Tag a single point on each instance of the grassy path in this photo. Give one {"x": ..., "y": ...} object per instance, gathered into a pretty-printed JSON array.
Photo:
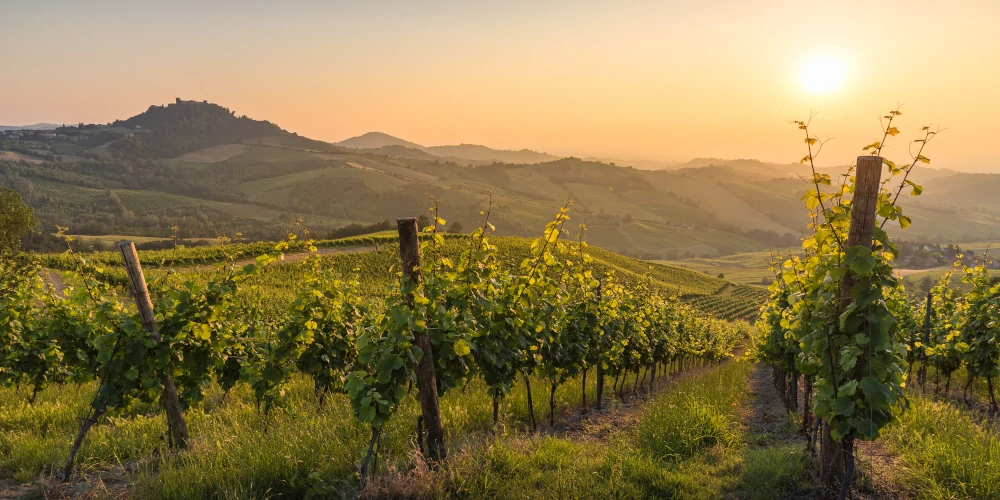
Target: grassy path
[
  {"x": 719, "y": 432},
  {"x": 774, "y": 460}
]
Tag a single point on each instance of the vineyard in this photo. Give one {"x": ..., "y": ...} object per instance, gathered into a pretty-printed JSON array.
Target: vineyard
[
  {"x": 520, "y": 331},
  {"x": 711, "y": 295},
  {"x": 421, "y": 364}
]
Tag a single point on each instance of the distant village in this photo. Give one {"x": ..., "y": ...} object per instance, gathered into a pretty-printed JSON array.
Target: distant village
[
  {"x": 929, "y": 255},
  {"x": 73, "y": 133},
  {"x": 42, "y": 135}
]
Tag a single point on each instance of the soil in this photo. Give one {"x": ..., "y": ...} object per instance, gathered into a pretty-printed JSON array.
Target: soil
[
  {"x": 768, "y": 420},
  {"x": 875, "y": 477}
]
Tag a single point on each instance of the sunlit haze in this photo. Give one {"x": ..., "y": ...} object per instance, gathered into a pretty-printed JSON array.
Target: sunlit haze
[
  {"x": 822, "y": 75},
  {"x": 633, "y": 80}
]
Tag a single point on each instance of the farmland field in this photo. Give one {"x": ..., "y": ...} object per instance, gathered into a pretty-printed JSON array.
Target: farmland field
[
  {"x": 15, "y": 155},
  {"x": 214, "y": 153},
  {"x": 748, "y": 268}
]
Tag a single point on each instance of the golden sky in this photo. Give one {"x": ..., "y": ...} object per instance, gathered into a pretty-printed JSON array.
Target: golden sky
[{"x": 635, "y": 80}]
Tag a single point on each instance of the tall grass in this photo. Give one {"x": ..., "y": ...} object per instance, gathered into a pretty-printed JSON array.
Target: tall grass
[
  {"x": 238, "y": 452},
  {"x": 688, "y": 442},
  {"x": 945, "y": 451}
]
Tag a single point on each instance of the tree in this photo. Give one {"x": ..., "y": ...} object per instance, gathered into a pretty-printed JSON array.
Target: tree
[
  {"x": 925, "y": 285},
  {"x": 456, "y": 227},
  {"x": 16, "y": 219},
  {"x": 423, "y": 222}
]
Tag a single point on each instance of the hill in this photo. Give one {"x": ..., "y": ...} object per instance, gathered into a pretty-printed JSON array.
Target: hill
[
  {"x": 385, "y": 144},
  {"x": 639, "y": 164},
  {"x": 485, "y": 154},
  {"x": 184, "y": 126},
  {"x": 201, "y": 167},
  {"x": 750, "y": 166},
  {"x": 375, "y": 140}
]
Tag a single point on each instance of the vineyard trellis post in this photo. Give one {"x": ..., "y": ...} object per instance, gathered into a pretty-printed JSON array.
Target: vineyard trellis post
[
  {"x": 837, "y": 458},
  {"x": 409, "y": 251},
  {"x": 600, "y": 360},
  {"x": 927, "y": 341},
  {"x": 171, "y": 402}
]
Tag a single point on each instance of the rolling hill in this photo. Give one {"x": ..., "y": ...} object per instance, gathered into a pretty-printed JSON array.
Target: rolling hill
[
  {"x": 485, "y": 154},
  {"x": 384, "y": 144},
  {"x": 200, "y": 167},
  {"x": 36, "y": 126},
  {"x": 375, "y": 140}
]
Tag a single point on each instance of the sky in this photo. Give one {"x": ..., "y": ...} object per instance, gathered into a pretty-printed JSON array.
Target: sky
[{"x": 635, "y": 80}]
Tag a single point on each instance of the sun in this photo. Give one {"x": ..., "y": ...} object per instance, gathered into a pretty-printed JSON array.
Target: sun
[{"x": 822, "y": 75}]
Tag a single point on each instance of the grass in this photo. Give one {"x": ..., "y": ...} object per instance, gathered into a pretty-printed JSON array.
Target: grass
[
  {"x": 237, "y": 452},
  {"x": 774, "y": 472},
  {"x": 945, "y": 451},
  {"x": 689, "y": 442}
]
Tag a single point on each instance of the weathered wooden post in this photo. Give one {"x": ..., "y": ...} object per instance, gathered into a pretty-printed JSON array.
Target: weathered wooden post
[
  {"x": 836, "y": 456},
  {"x": 923, "y": 348},
  {"x": 600, "y": 359},
  {"x": 409, "y": 251},
  {"x": 171, "y": 402}
]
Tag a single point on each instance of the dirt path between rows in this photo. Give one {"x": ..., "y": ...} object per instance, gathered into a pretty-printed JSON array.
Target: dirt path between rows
[
  {"x": 769, "y": 425},
  {"x": 616, "y": 414},
  {"x": 768, "y": 420},
  {"x": 56, "y": 280}
]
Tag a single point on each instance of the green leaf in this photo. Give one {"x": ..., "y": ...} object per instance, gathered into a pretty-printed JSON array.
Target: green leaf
[
  {"x": 462, "y": 348},
  {"x": 861, "y": 260},
  {"x": 844, "y": 405},
  {"x": 916, "y": 188},
  {"x": 875, "y": 392}
]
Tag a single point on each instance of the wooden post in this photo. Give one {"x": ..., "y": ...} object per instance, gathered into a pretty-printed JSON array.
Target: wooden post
[
  {"x": 409, "y": 251},
  {"x": 171, "y": 402},
  {"x": 927, "y": 341},
  {"x": 837, "y": 457},
  {"x": 600, "y": 362}
]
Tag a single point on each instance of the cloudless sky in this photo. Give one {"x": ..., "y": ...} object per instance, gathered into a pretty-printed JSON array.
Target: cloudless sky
[{"x": 636, "y": 80}]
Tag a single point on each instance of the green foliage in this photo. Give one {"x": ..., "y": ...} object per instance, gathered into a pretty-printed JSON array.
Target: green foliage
[
  {"x": 16, "y": 219},
  {"x": 837, "y": 314},
  {"x": 175, "y": 129},
  {"x": 980, "y": 330}
]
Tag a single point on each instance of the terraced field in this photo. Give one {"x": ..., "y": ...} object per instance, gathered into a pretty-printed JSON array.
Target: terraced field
[{"x": 717, "y": 297}]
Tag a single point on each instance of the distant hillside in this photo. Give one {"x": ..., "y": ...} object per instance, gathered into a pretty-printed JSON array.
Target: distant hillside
[
  {"x": 185, "y": 126},
  {"x": 397, "y": 151},
  {"x": 486, "y": 154},
  {"x": 201, "y": 167},
  {"x": 385, "y": 144},
  {"x": 37, "y": 126},
  {"x": 749, "y": 166},
  {"x": 639, "y": 164},
  {"x": 375, "y": 140}
]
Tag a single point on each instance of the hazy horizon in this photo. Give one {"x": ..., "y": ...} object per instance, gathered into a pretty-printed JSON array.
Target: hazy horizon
[{"x": 666, "y": 82}]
